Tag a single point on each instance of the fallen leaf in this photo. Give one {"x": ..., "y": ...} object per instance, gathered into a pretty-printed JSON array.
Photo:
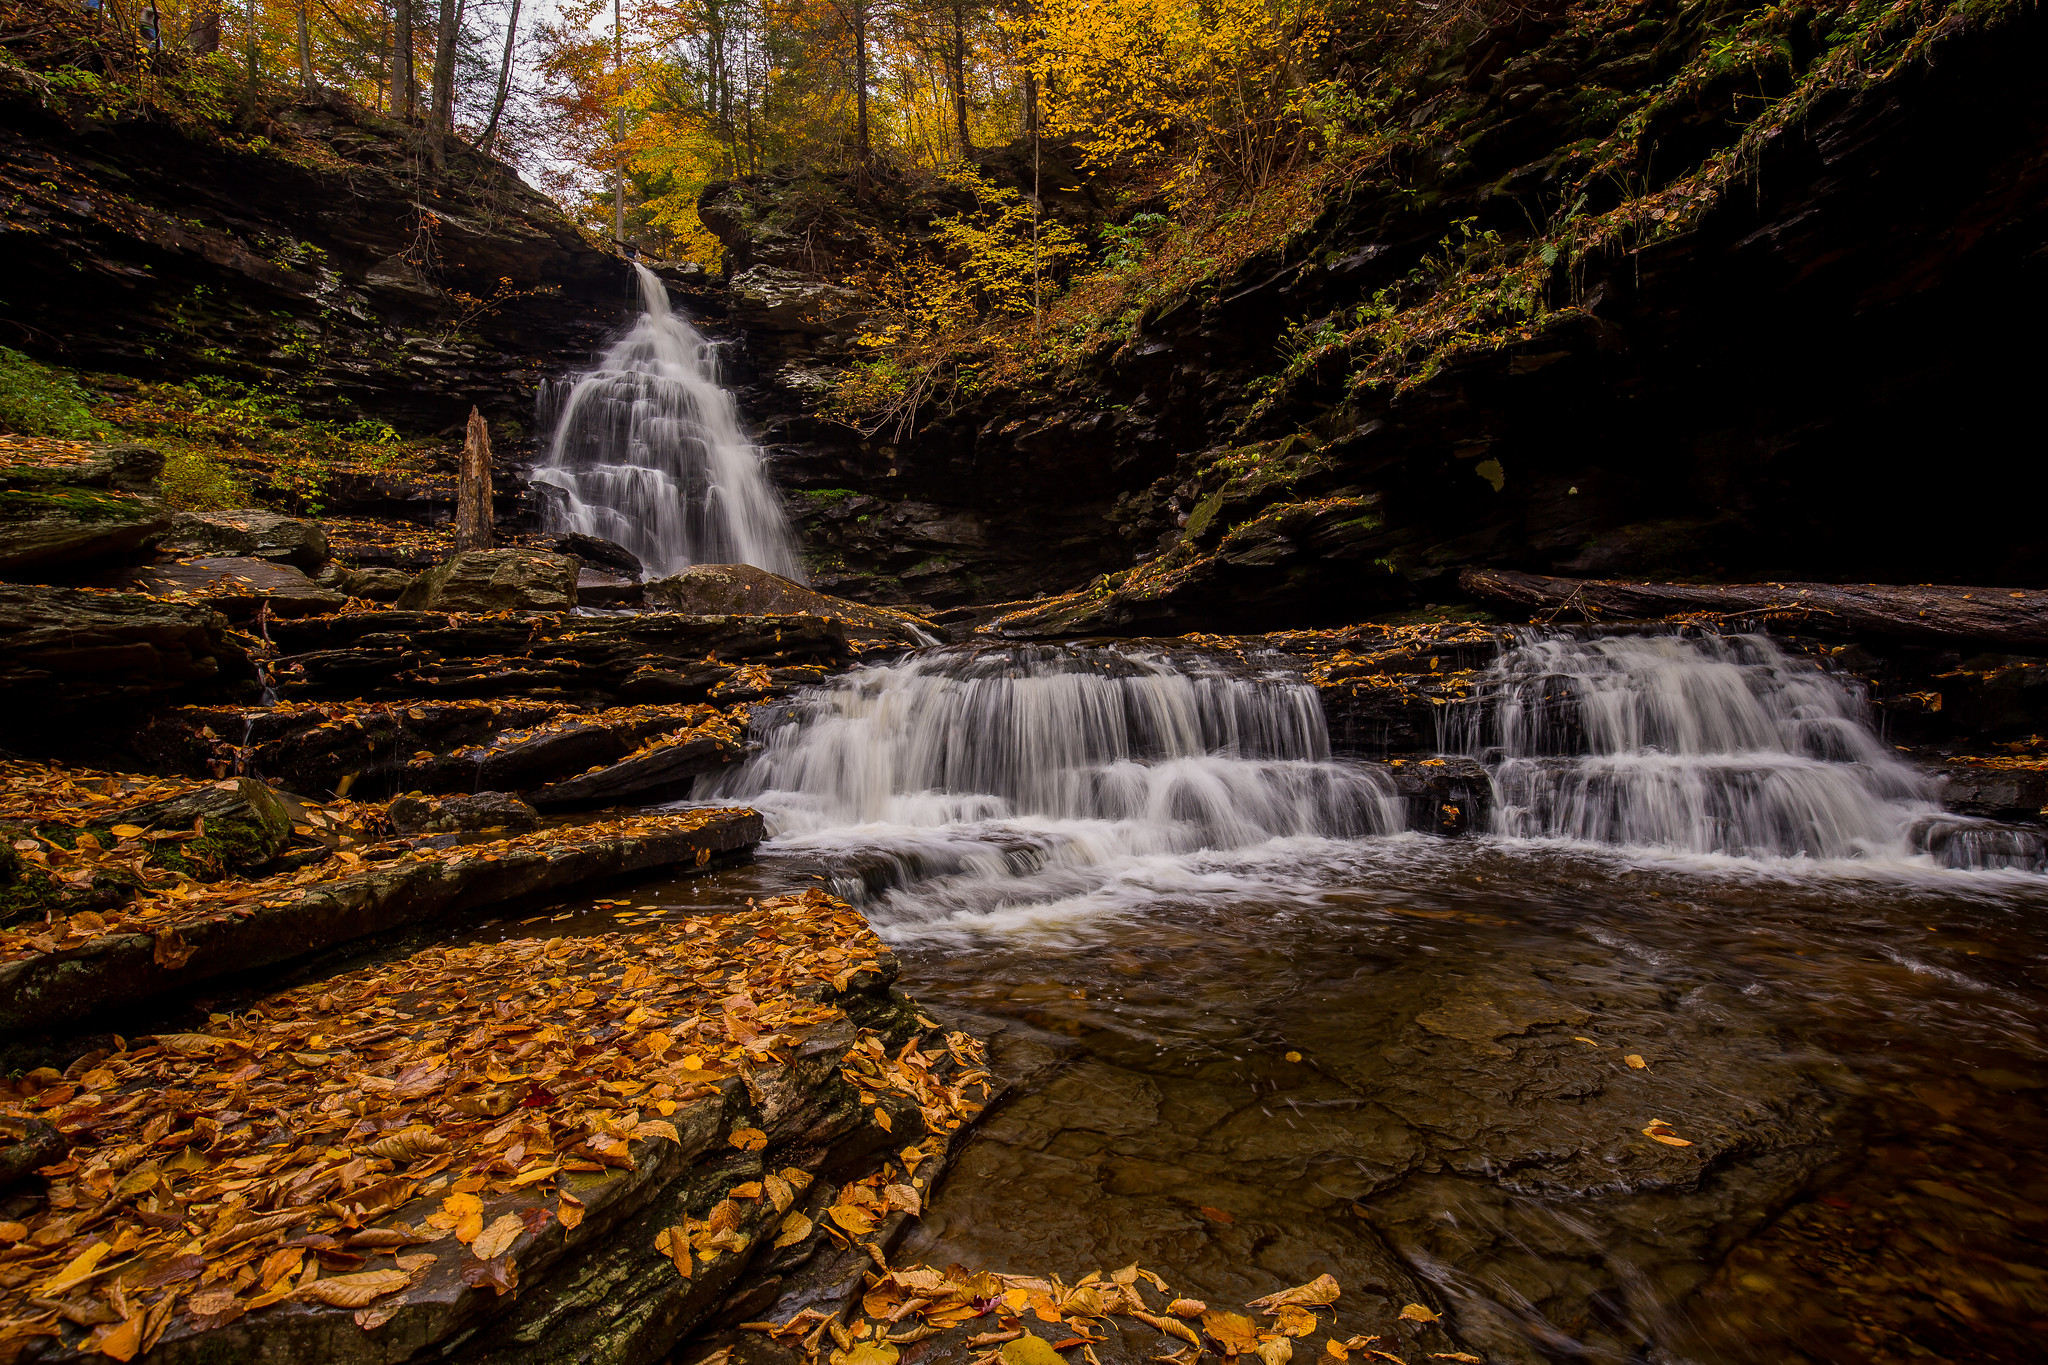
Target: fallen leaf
[
  {"x": 409, "y": 1144},
  {"x": 1234, "y": 1332},
  {"x": 853, "y": 1218},
  {"x": 1275, "y": 1352},
  {"x": 1466, "y": 1356},
  {"x": 795, "y": 1228},
  {"x": 121, "y": 1341},
  {"x": 1660, "y": 1131},
  {"x": 1031, "y": 1350},
  {"x": 882, "y": 1119},
  {"x": 370, "y": 1319},
  {"x": 80, "y": 1268},
  {"x": 497, "y": 1239},
  {"x": 1186, "y": 1308},
  {"x": 1294, "y": 1320},
  {"x": 1215, "y": 1215},
  {"x": 1415, "y": 1312},
  {"x": 1337, "y": 1349},
  {"x": 873, "y": 1353},
  {"x": 1635, "y": 1060},
  {"x": 674, "y": 1243},
  {"x": 779, "y": 1193},
  {"x": 354, "y": 1291},
  {"x": 569, "y": 1210},
  {"x": 748, "y": 1139},
  {"x": 1317, "y": 1292}
]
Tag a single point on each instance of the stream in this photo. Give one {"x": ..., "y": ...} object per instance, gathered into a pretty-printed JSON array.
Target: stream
[{"x": 1699, "y": 1054}]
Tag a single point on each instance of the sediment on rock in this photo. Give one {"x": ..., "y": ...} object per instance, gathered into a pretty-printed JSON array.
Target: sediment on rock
[{"x": 93, "y": 967}]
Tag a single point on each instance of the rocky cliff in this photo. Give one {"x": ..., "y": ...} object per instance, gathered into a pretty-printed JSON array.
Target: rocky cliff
[
  {"x": 1792, "y": 355},
  {"x": 320, "y": 254}
]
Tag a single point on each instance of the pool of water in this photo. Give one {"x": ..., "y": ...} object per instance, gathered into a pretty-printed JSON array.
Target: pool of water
[{"x": 1428, "y": 1067}]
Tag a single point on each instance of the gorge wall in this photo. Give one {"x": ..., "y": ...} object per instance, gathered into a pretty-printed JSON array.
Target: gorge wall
[{"x": 1819, "y": 375}]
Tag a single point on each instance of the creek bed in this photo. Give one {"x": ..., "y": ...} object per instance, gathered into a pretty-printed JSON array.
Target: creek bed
[{"x": 1407, "y": 1060}]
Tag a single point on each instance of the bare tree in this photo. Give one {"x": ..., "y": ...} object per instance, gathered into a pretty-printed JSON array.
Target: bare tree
[
  {"x": 473, "y": 488},
  {"x": 959, "y": 74},
  {"x": 504, "y": 80},
  {"x": 447, "y": 34}
]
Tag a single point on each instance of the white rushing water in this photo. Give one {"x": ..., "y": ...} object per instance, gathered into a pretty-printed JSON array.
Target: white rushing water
[
  {"x": 648, "y": 453},
  {"x": 1706, "y": 745},
  {"x": 1026, "y": 785}
]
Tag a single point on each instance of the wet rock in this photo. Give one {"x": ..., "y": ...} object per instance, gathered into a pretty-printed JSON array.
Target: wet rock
[
  {"x": 62, "y": 515},
  {"x": 460, "y": 814},
  {"x": 644, "y": 657},
  {"x": 236, "y": 825},
  {"x": 370, "y": 584},
  {"x": 238, "y": 587},
  {"x": 124, "y": 970},
  {"x": 63, "y": 650},
  {"x": 26, "y": 1144},
  {"x": 1998, "y": 793},
  {"x": 1444, "y": 795},
  {"x": 666, "y": 769},
  {"x": 249, "y": 533},
  {"x": 603, "y": 588},
  {"x": 598, "y": 553},
  {"x": 742, "y": 589},
  {"x": 495, "y": 580}
]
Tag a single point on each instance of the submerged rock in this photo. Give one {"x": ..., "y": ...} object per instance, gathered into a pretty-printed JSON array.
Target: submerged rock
[
  {"x": 495, "y": 580},
  {"x": 249, "y": 533}
]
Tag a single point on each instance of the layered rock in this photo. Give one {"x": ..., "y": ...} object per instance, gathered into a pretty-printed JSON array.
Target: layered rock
[
  {"x": 63, "y": 650},
  {"x": 250, "y": 533},
  {"x": 78, "y": 505},
  {"x": 743, "y": 590},
  {"x": 495, "y": 580}
]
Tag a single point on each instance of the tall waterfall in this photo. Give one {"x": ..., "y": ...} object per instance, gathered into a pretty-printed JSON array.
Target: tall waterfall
[
  {"x": 1037, "y": 778},
  {"x": 1715, "y": 744},
  {"x": 648, "y": 453}
]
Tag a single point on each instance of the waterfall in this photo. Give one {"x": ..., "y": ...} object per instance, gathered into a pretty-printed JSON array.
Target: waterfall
[
  {"x": 1041, "y": 778},
  {"x": 1709, "y": 744},
  {"x": 648, "y": 453}
]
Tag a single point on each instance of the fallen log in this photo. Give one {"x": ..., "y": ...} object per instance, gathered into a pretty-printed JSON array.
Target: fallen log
[{"x": 1991, "y": 618}]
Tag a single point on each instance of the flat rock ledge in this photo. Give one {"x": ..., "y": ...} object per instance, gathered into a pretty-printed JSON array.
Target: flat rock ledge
[
  {"x": 568, "y": 1149},
  {"x": 58, "y": 976}
]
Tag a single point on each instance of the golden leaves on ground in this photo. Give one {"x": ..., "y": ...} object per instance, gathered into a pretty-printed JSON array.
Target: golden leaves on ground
[
  {"x": 1636, "y": 1061},
  {"x": 1415, "y": 1312},
  {"x": 1319, "y": 1291},
  {"x": 304, "y": 1147},
  {"x": 168, "y": 902},
  {"x": 794, "y": 1229}
]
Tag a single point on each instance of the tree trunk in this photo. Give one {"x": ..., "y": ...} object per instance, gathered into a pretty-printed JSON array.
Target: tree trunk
[
  {"x": 860, "y": 79},
  {"x": 401, "y": 60},
  {"x": 445, "y": 34},
  {"x": 306, "y": 51},
  {"x": 960, "y": 77},
  {"x": 203, "y": 34},
  {"x": 473, "y": 489},
  {"x": 1998, "y": 617},
  {"x": 619, "y": 150},
  {"x": 504, "y": 80}
]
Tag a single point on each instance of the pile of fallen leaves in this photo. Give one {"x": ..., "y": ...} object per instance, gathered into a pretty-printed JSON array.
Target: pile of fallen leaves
[
  {"x": 170, "y": 903},
  {"x": 270, "y": 1157},
  {"x": 905, "y": 1306},
  {"x": 679, "y": 721},
  {"x": 728, "y": 728},
  {"x": 52, "y": 794},
  {"x": 44, "y": 452}
]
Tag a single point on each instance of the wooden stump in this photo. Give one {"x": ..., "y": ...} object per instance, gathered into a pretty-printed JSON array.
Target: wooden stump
[{"x": 473, "y": 492}]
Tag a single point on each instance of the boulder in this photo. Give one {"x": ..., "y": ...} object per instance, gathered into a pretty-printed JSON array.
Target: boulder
[
  {"x": 604, "y": 588},
  {"x": 238, "y": 587},
  {"x": 249, "y": 533},
  {"x": 743, "y": 590},
  {"x": 237, "y": 824},
  {"x": 66, "y": 649},
  {"x": 416, "y": 814},
  {"x": 662, "y": 769},
  {"x": 496, "y": 580},
  {"x": 78, "y": 508},
  {"x": 1444, "y": 795},
  {"x": 1997, "y": 793},
  {"x": 371, "y": 584},
  {"x": 598, "y": 553}
]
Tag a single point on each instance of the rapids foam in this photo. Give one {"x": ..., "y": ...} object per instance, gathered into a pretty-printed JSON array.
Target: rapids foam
[
  {"x": 1039, "y": 782},
  {"x": 648, "y": 453}
]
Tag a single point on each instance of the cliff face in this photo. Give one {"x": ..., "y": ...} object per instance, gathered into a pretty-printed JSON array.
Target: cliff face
[
  {"x": 327, "y": 259},
  {"x": 1823, "y": 374}
]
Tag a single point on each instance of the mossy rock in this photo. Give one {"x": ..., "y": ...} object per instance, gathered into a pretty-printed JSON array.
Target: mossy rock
[{"x": 243, "y": 824}]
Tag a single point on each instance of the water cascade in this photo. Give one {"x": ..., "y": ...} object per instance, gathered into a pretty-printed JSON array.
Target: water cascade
[
  {"x": 1042, "y": 778},
  {"x": 648, "y": 453},
  {"x": 1708, "y": 745}
]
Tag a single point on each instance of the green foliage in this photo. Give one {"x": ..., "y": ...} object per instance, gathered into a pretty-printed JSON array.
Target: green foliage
[
  {"x": 194, "y": 481},
  {"x": 36, "y": 400}
]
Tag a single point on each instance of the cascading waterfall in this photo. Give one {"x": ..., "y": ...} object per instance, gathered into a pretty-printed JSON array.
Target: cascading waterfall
[
  {"x": 648, "y": 453},
  {"x": 1037, "y": 778},
  {"x": 1709, "y": 745}
]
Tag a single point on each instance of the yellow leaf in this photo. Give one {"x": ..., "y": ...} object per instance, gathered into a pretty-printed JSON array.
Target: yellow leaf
[
  {"x": 495, "y": 1240},
  {"x": 79, "y": 1269},
  {"x": 1337, "y": 1349},
  {"x": 1031, "y": 1350},
  {"x": 1415, "y": 1312},
  {"x": 853, "y": 1218},
  {"x": 779, "y": 1193},
  {"x": 1181, "y": 1308},
  {"x": 1275, "y": 1352},
  {"x": 882, "y": 1120},
  {"x": 874, "y": 1353},
  {"x": 569, "y": 1210},
  {"x": 354, "y": 1291},
  {"x": 748, "y": 1139},
  {"x": 537, "y": 1174},
  {"x": 1234, "y": 1332},
  {"x": 674, "y": 1243},
  {"x": 795, "y": 1228},
  {"x": 1660, "y": 1131},
  {"x": 1635, "y": 1060},
  {"x": 128, "y": 831},
  {"x": 1294, "y": 1320},
  {"x": 1321, "y": 1290}
]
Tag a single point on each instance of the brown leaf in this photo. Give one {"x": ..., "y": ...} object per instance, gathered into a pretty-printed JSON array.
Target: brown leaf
[
  {"x": 354, "y": 1291},
  {"x": 171, "y": 953},
  {"x": 1186, "y": 1308},
  {"x": 1321, "y": 1290},
  {"x": 120, "y": 1341},
  {"x": 748, "y": 1139},
  {"x": 1275, "y": 1352},
  {"x": 408, "y": 1145},
  {"x": 1215, "y": 1215},
  {"x": 500, "y": 1274}
]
